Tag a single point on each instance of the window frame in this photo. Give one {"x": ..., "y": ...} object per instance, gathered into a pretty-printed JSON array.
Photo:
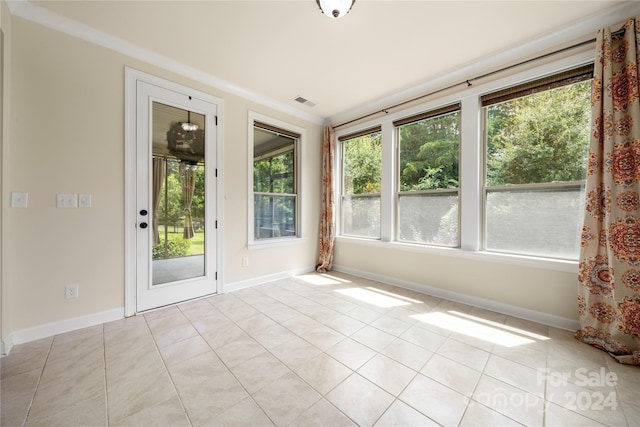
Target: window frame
[
  {"x": 397, "y": 124},
  {"x": 341, "y": 182},
  {"x": 576, "y": 75},
  {"x": 288, "y": 130},
  {"x": 471, "y": 175}
]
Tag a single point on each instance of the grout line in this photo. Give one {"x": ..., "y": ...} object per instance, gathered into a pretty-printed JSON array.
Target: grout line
[{"x": 35, "y": 390}]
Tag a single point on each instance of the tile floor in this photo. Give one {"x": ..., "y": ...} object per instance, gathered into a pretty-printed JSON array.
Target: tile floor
[{"x": 330, "y": 350}]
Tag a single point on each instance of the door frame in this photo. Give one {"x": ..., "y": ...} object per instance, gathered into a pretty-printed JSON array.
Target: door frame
[{"x": 130, "y": 218}]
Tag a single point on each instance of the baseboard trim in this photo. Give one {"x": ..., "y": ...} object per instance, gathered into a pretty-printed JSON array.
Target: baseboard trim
[
  {"x": 62, "y": 326},
  {"x": 243, "y": 284},
  {"x": 6, "y": 345},
  {"x": 511, "y": 310}
]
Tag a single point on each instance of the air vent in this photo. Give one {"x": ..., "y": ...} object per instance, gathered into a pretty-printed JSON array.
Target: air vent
[{"x": 304, "y": 101}]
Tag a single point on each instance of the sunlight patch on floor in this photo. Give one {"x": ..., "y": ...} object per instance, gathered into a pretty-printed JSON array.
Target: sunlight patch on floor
[
  {"x": 374, "y": 298},
  {"x": 495, "y": 333}
]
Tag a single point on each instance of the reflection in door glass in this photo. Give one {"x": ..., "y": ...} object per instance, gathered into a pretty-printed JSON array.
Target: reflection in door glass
[{"x": 178, "y": 189}]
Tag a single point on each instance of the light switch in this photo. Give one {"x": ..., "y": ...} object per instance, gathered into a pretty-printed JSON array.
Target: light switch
[
  {"x": 19, "y": 200},
  {"x": 67, "y": 201},
  {"x": 84, "y": 200}
]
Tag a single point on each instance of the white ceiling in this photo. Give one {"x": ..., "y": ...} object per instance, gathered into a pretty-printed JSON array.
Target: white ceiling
[{"x": 282, "y": 49}]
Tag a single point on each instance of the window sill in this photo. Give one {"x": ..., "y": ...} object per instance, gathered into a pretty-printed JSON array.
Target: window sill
[
  {"x": 274, "y": 243},
  {"x": 566, "y": 266}
]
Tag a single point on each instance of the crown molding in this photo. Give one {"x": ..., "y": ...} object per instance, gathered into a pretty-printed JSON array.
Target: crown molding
[
  {"x": 584, "y": 30},
  {"x": 28, "y": 11}
]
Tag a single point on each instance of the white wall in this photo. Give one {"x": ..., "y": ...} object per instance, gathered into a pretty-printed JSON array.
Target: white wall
[{"x": 67, "y": 136}]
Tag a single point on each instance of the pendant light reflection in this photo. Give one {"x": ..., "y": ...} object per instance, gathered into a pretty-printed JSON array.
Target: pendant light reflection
[
  {"x": 335, "y": 8},
  {"x": 188, "y": 126}
]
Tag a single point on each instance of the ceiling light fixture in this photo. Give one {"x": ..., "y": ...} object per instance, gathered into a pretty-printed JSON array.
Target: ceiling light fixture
[{"x": 335, "y": 8}]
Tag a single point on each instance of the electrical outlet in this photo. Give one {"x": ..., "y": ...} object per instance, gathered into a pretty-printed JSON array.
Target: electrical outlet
[
  {"x": 84, "y": 200},
  {"x": 245, "y": 262},
  {"x": 72, "y": 291},
  {"x": 19, "y": 200}
]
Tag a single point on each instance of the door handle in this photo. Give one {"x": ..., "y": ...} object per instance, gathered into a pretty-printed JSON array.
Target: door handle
[{"x": 143, "y": 225}]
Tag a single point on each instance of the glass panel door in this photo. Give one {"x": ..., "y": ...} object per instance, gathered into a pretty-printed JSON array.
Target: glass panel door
[{"x": 178, "y": 194}]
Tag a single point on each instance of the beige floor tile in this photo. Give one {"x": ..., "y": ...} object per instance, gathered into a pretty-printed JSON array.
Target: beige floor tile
[
  {"x": 322, "y": 414},
  {"x": 26, "y": 357},
  {"x": 532, "y": 357},
  {"x": 84, "y": 363},
  {"x": 239, "y": 351},
  {"x": 424, "y": 338},
  {"x": 66, "y": 391},
  {"x": 90, "y": 412},
  {"x": 454, "y": 375},
  {"x": 166, "y": 367},
  {"x": 16, "y": 394},
  {"x": 274, "y": 336},
  {"x": 224, "y": 335},
  {"x": 402, "y": 415},
  {"x": 407, "y": 353},
  {"x": 153, "y": 315},
  {"x": 226, "y": 302},
  {"x": 344, "y": 324},
  {"x": 515, "y": 374},
  {"x": 206, "y": 388},
  {"x": 301, "y": 324},
  {"x": 360, "y": 399},
  {"x": 632, "y": 413},
  {"x": 365, "y": 315},
  {"x": 323, "y": 337},
  {"x": 259, "y": 372},
  {"x": 323, "y": 373},
  {"x": 281, "y": 313},
  {"x": 388, "y": 374},
  {"x": 256, "y": 324},
  {"x": 479, "y": 415},
  {"x": 422, "y": 392},
  {"x": 130, "y": 395},
  {"x": 391, "y": 325},
  {"x": 557, "y": 416},
  {"x": 512, "y": 402},
  {"x": 373, "y": 338},
  {"x": 295, "y": 352},
  {"x": 241, "y": 313},
  {"x": 351, "y": 353},
  {"x": 598, "y": 403},
  {"x": 167, "y": 413},
  {"x": 181, "y": 351},
  {"x": 245, "y": 413},
  {"x": 286, "y": 399},
  {"x": 463, "y": 353},
  {"x": 173, "y": 335}
]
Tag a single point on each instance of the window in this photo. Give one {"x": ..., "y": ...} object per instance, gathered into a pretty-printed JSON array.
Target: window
[
  {"x": 428, "y": 177},
  {"x": 361, "y": 182},
  {"x": 537, "y": 137},
  {"x": 275, "y": 182}
]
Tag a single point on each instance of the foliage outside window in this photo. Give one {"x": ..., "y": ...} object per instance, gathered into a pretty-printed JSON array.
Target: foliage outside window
[
  {"x": 361, "y": 182},
  {"x": 429, "y": 151},
  {"x": 536, "y": 149},
  {"x": 171, "y": 214},
  {"x": 274, "y": 184}
]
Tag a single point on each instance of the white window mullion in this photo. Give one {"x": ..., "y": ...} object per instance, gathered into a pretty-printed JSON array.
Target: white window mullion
[
  {"x": 387, "y": 191},
  {"x": 471, "y": 157}
]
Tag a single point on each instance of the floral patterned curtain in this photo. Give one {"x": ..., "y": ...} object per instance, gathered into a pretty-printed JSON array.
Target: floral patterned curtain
[
  {"x": 188, "y": 177},
  {"x": 327, "y": 225},
  {"x": 609, "y": 276}
]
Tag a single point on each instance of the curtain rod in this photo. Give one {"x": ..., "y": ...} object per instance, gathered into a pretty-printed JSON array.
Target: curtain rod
[{"x": 468, "y": 82}]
